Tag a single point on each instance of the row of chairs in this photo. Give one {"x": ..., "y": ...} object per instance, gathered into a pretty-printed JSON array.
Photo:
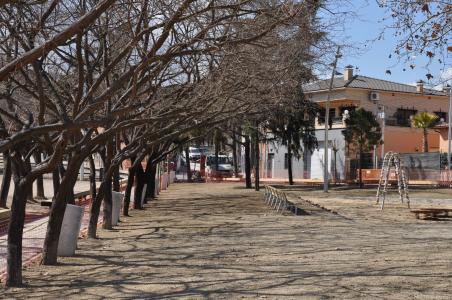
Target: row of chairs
[{"x": 277, "y": 200}]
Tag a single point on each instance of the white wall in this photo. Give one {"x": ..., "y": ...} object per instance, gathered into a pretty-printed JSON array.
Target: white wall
[
  {"x": 334, "y": 135},
  {"x": 278, "y": 170}
]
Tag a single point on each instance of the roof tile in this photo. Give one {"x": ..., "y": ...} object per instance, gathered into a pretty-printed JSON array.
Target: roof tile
[{"x": 370, "y": 83}]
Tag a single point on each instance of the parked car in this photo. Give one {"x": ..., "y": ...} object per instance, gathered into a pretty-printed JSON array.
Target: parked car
[
  {"x": 224, "y": 165},
  {"x": 194, "y": 153}
]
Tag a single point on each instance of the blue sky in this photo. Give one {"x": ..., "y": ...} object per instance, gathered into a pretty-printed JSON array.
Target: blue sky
[{"x": 372, "y": 59}]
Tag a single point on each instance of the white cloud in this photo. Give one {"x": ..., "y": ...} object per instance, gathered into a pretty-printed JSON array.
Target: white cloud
[{"x": 446, "y": 75}]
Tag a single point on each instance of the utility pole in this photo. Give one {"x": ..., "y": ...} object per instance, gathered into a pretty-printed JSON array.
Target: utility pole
[
  {"x": 449, "y": 132},
  {"x": 382, "y": 116},
  {"x": 327, "y": 121}
]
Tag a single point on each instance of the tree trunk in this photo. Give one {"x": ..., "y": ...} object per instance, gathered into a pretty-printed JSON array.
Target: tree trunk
[
  {"x": 217, "y": 153},
  {"x": 39, "y": 181},
  {"x": 335, "y": 167},
  {"x": 187, "y": 162},
  {"x": 107, "y": 208},
  {"x": 16, "y": 226},
  {"x": 128, "y": 192},
  {"x": 116, "y": 180},
  {"x": 116, "y": 175},
  {"x": 247, "y": 163},
  {"x": 29, "y": 187},
  {"x": 234, "y": 156},
  {"x": 55, "y": 181},
  {"x": 360, "y": 163},
  {"x": 256, "y": 159},
  {"x": 94, "y": 212},
  {"x": 97, "y": 202},
  {"x": 140, "y": 181},
  {"x": 151, "y": 168},
  {"x": 6, "y": 182},
  {"x": 289, "y": 163},
  {"x": 92, "y": 177},
  {"x": 425, "y": 140},
  {"x": 70, "y": 189},
  {"x": 150, "y": 192},
  {"x": 50, "y": 250}
]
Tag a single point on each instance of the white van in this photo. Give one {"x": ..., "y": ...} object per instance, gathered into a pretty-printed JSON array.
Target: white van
[{"x": 224, "y": 165}]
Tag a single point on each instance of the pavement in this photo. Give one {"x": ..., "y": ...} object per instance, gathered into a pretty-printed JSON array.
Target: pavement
[{"x": 221, "y": 241}]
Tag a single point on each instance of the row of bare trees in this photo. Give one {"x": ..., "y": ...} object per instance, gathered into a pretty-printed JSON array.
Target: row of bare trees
[{"x": 131, "y": 80}]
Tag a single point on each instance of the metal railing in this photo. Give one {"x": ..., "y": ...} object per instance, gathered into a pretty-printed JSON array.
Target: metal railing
[{"x": 277, "y": 200}]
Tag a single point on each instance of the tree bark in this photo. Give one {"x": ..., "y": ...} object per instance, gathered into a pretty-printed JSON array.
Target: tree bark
[
  {"x": 97, "y": 202},
  {"x": 335, "y": 167},
  {"x": 30, "y": 186},
  {"x": 70, "y": 189},
  {"x": 94, "y": 212},
  {"x": 55, "y": 181},
  {"x": 153, "y": 181},
  {"x": 234, "y": 156},
  {"x": 128, "y": 192},
  {"x": 116, "y": 180},
  {"x": 289, "y": 163},
  {"x": 92, "y": 177},
  {"x": 360, "y": 162},
  {"x": 116, "y": 175},
  {"x": 6, "y": 181},
  {"x": 16, "y": 225},
  {"x": 140, "y": 180},
  {"x": 107, "y": 208},
  {"x": 150, "y": 191},
  {"x": 217, "y": 152},
  {"x": 149, "y": 179},
  {"x": 50, "y": 250},
  {"x": 425, "y": 140},
  {"x": 187, "y": 162},
  {"x": 39, "y": 181},
  {"x": 247, "y": 162},
  {"x": 256, "y": 159}
]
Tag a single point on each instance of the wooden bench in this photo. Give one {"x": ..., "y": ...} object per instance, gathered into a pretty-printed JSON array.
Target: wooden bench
[
  {"x": 5, "y": 213},
  {"x": 46, "y": 203},
  {"x": 431, "y": 212}
]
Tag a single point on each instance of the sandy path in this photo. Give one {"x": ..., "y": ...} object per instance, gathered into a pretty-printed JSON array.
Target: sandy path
[{"x": 219, "y": 241}]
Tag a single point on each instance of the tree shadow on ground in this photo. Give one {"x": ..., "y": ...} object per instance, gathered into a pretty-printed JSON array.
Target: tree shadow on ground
[{"x": 224, "y": 244}]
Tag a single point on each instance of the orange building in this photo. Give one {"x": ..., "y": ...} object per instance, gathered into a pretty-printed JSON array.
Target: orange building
[{"x": 396, "y": 102}]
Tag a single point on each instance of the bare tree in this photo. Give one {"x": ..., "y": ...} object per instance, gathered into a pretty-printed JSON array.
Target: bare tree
[{"x": 422, "y": 28}]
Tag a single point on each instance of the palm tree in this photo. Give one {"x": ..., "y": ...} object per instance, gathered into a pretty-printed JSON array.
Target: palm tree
[{"x": 425, "y": 121}]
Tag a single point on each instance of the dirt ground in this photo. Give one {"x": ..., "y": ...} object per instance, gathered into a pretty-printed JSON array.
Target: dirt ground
[{"x": 220, "y": 241}]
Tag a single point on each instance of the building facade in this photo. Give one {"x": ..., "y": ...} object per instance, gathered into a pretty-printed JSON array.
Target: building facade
[{"x": 393, "y": 103}]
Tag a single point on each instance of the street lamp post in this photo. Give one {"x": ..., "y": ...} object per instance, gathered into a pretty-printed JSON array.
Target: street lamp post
[
  {"x": 382, "y": 116},
  {"x": 327, "y": 121},
  {"x": 449, "y": 132}
]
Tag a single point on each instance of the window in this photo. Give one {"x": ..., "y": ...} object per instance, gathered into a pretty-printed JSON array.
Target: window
[
  {"x": 350, "y": 108},
  {"x": 403, "y": 116},
  {"x": 441, "y": 115},
  {"x": 321, "y": 115}
]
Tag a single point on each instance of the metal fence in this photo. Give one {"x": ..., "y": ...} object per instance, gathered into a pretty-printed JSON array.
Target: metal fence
[
  {"x": 277, "y": 200},
  {"x": 420, "y": 167}
]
